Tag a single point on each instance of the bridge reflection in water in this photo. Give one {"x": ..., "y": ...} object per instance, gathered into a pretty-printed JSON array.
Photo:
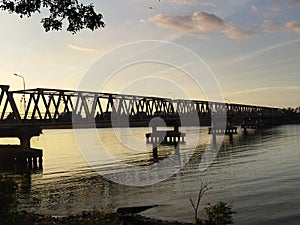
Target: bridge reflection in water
[{"x": 54, "y": 108}]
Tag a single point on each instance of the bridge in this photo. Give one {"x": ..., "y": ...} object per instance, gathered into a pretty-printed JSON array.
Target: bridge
[
  {"x": 56, "y": 108},
  {"x": 44, "y": 108}
]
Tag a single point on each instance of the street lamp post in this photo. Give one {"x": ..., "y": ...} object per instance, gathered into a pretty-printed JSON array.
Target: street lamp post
[{"x": 23, "y": 97}]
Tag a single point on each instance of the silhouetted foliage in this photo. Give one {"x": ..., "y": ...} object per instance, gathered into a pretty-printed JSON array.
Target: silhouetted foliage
[
  {"x": 219, "y": 214},
  {"x": 291, "y": 110},
  {"x": 77, "y": 15},
  {"x": 291, "y": 114},
  {"x": 8, "y": 189}
]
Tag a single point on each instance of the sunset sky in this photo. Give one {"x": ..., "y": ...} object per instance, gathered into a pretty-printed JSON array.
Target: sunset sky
[{"x": 252, "y": 47}]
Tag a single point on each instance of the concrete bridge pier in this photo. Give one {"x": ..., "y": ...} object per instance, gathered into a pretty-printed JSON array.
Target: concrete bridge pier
[
  {"x": 218, "y": 128},
  {"x": 252, "y": 122},
  {"x": 164, "y": 137},
  {"x": 22, "y": 156}
]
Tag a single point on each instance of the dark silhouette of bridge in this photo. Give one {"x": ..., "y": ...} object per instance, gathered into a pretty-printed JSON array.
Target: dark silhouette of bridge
[
  {"x": 56, "y": 108},
  {"x": 44, "y": 108}
]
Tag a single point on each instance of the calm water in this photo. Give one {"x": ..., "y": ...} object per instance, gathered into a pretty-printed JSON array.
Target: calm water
[{"x": 259, "y": 173}]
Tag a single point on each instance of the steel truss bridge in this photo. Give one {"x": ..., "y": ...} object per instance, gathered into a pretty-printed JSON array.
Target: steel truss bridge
[{"x": 55, "y": 108}]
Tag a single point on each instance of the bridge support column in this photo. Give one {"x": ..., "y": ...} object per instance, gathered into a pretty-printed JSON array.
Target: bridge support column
[
  {"x": 25, "y": 133},
  {"x": 35, "y": 164},
  {"x": 25, "y": 142},
  {"x": 155, "y": 152}
]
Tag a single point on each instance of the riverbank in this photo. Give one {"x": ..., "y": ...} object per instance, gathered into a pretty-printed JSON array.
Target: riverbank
[{"x": 85, "y": 218}]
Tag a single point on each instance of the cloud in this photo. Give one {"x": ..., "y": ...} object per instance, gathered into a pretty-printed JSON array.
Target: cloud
[
  {"x": 198, "y": 21},
  {"x": 190, "y": 3},
  {"x": 276, "y": 7},
  {"x": 208, "y": 4},
  {"x": 293, "y": 26},
  {"x": 79, "y": 48},
  {"x": 175, "y": 22},
  {"x": 270, "y": 26},
  {"x": 181, "y": 2},
  {"x": 236, "y": 33},
  {"x": 206, "y": 22}
]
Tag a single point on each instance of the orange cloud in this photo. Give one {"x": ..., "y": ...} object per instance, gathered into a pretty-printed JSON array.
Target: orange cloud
[
  {"x": 293, "y": 26},
  {"x": 236, "y": 33},
  {"x": 198, "y": 21}
]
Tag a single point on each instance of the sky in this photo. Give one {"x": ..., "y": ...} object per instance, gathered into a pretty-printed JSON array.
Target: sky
[{"x": 249, "y": 48}]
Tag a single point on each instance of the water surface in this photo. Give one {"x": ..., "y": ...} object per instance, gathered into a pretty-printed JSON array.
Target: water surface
[{"x": 258, "y": 172}]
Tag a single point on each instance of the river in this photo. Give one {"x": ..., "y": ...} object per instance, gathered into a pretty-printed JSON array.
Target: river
[{"x": 258, "y": 173}]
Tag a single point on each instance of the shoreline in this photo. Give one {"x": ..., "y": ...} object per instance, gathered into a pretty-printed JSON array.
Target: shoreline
[{"x": 87, "y": 218}]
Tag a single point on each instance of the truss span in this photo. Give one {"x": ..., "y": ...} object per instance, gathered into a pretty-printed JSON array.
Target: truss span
[{"x": 57, "y": 106}]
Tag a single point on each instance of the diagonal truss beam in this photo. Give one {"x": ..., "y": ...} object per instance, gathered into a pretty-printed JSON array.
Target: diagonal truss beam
[{"x": 49, "y": 104}]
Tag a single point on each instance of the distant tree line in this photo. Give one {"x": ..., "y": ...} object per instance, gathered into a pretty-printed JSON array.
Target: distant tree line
[{"x": 291, "y": 115}]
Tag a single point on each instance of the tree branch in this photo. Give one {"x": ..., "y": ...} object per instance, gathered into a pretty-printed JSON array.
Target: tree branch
[{"x": 77, "y": 15}]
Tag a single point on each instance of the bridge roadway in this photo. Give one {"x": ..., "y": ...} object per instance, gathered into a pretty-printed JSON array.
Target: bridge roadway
[{"x": 55, "y": 108}]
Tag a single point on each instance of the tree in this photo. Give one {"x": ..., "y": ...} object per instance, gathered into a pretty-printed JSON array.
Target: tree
[
  {"x": 291, "y": 115},
  {"x": 77, "y": 15},
  {"x": 204, "y": 187},
  {"x": 219, "y": 214}
]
